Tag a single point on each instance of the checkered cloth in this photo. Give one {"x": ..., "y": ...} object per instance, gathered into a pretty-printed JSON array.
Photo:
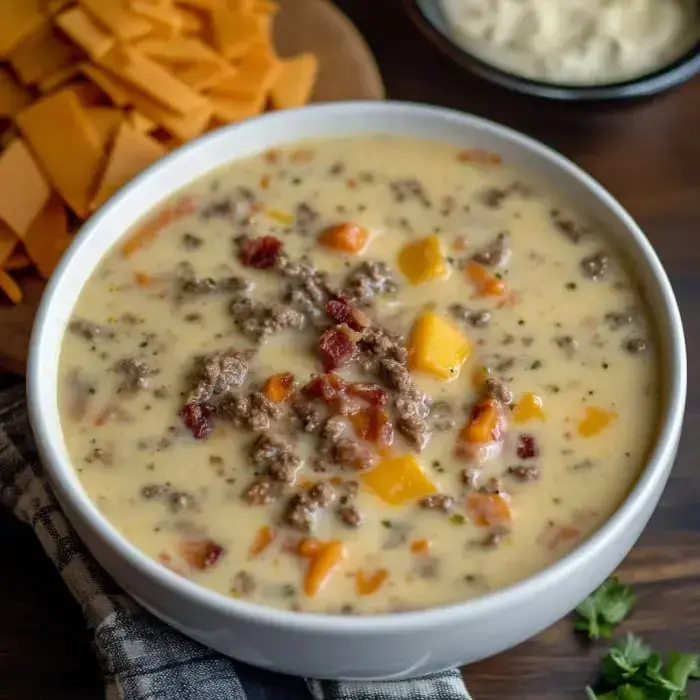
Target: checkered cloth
[{"x": 143, "y": 659}]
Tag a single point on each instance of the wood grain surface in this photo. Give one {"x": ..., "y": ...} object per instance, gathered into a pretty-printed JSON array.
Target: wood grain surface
[{"x": 648, "y": 154}]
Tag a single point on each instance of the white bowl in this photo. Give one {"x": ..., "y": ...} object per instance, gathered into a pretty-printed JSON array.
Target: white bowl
[{"x": 324, "y": 646}]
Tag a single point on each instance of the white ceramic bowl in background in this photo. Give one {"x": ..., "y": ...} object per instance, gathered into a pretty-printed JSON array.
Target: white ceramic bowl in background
[{"x": 324, "y": 646}]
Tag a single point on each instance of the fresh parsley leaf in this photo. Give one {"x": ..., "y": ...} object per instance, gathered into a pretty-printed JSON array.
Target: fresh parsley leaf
[
  {"x": 604, "y": 609},
  {"x": 681, "y": 667},
  {"x": 631, "y": 671}
]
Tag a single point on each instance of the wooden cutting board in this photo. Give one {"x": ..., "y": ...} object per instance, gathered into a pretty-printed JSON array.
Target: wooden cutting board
[{"x": 347, "y": 72}]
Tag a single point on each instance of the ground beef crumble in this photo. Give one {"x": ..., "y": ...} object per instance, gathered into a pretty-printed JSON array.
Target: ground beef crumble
[
  {"x": 90, "y": 331},
  {"x": 134, "y": 374},
  {"x": 350, "y": 516},
  {"x": 303, "y": 507},
  {"x": 495, "y": 253},
  {"x": 595, "y": 266},
  {"x": 477, "y": 319},
  {"x": 307, "y": 289},
  {"x": 262, "y": 491},
  {"x": 258, "y": 320},
  {"x": 412, "y": 405},
  {"x": 217, "y": 374},
  {"x": 275, "y": 456},
  {"x": 368, "y": 280},
  {"x": 437, "y": 501},
  {"x": 253, "y": 411}
]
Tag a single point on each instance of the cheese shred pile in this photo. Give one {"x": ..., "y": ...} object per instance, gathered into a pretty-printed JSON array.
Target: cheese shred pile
[
  {"x": 585, "y": 42},
  {"x": 94, "y": 91}
]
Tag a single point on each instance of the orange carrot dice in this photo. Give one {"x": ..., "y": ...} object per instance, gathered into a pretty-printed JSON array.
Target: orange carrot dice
[
  {"x": 346, "y": 237},
  {"x": 278, "y": 387},
  {"x": 487, "y": 509},
  {"x": 486, "y": 284}
]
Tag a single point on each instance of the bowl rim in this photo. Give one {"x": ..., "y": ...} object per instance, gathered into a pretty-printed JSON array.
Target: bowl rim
[
  {"x": 651, "y": 478},
  {"x": 663, "y": 78}
]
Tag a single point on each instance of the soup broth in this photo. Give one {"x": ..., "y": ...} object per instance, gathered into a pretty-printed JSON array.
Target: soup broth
[{"x": 360, "y": 375}]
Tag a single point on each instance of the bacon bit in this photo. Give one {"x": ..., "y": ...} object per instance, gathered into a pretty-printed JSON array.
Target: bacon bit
[
  {"x": 351, "y": 183},
  {"x": 527, "y": 447},
  {"x": 260, "y": 253},
  {"x": 336, "y": 347},
  {"x": 479, "y": 376},
  {"x": 342, "y": 311},
  {"x": 263, "y": 539},
  {"x": 486, "y": 284},
  {"x": 278, "y": 387},
  {"x": 460, "y": 244},
  {"x": 369, "y": 392},
  {"x": 479, "y": 156},
  {"x": 326, "y": 387},
  {"x": 279, "y": 216},
  {"x": 272, "y": 156},
  {"x": 142, "y": 279},
  {"x": 201, "y": 554},
  {"x": 197, "y": 417},
  {"x": 301, "y": 156},
  {"x": 487, "y": 509},
  {"x": 421, "y": 546},
  {"x": 373, "y": 424},
  {"x": 346, "y": 237},
  {"x": 595, "y": 421},
  {"x": 265, "y": 182},
  {"x": 484, "y": 424},
  {"x": 528, "y": 408},
  {"x": 146, "y": 233},
  {"x": 367, "y": 584}
]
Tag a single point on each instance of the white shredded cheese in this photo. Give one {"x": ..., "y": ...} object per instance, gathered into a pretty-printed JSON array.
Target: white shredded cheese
[{"x": 575, "y": 41}]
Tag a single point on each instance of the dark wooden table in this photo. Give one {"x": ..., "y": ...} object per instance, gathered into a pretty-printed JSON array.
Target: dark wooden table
[{"x": 648, "y": 154}]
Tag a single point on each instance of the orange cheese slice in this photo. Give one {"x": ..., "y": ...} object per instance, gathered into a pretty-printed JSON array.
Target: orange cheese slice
[
  {"x": 136, "y": 69},
  {"x": 257, "y": 72},
  {"x": 42, "y": 53},
  {"x": 194, "y": 22},
  {"x": 60, "y": 77},
  {"x": 234, "y": 32},
  {"x": 116, "y": 18},
  {"x": 23, "y": 188},
  {"x": 132, "y": 152},
  {"x": 85, "y": 32},
  {"x": 179, "y": 50},
  {"x": 140, "y": 122},
  {"x": 8, "y": 243},
  {"x": 48, "y": 237},
  {"x": 53, "y": 7},
  {"x": 265, "y": 7},
  {"x": 13, "y": 96},
  {"x": 66, "y": 146},
  {"x": 87, "y": 93},
  {"x": 111, "y": 87},
  {"x": 295, "y": 82},
  {"x": 105, "y": 121},
  {"x": 183, "y": 126},
  {"x": 201, "y": 76},
  {"x": 18, "y": 260},
  {"x": 229, "y": 111},
  {"x": 165, "y": 22},
  {"x": 18, "y": 19},
  {"x": 10, "y": 287}
]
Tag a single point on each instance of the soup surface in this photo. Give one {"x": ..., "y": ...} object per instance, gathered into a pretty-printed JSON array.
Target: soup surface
[{"x": 359, "y": 375}]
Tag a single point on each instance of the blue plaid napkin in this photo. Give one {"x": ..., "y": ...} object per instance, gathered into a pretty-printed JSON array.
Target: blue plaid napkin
[{"x": 141, "y": 658}]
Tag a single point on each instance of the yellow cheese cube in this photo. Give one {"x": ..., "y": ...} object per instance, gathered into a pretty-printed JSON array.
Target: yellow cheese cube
[{"x": 436, "y": 347}]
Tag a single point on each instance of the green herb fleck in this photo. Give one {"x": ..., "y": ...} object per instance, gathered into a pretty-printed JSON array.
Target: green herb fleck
[
  {"x": 632, "y": 671},
  {"x": 604, "y": 609},
  {"x": 458, "y": 519}
]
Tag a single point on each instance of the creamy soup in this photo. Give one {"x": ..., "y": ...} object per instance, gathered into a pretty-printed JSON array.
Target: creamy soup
[{"x": 360, "y": 375}]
